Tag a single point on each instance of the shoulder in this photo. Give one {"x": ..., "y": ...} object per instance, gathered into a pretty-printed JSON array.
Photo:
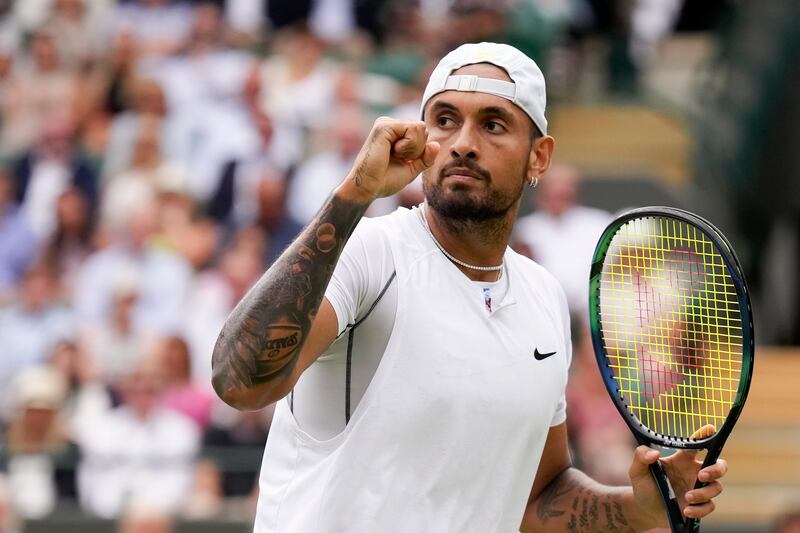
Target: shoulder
[
  {"x": 536, "y": 277},
  {"x": 387, "y": 228}
]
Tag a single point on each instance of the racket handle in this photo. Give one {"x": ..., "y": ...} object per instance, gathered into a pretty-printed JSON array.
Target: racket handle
[
  {"x": 676, "y": 523},
  {"x": 693, "y": 524}
]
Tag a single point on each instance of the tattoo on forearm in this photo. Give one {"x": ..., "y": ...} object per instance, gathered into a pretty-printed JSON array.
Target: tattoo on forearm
[
  {"x": 358, "y": 175},
  {"x": 262, "y": 338},
  {"x": 569, "y": 502}
]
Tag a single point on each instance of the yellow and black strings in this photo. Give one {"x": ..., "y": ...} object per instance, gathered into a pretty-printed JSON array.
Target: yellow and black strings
[{"x": 671, "y": 325}]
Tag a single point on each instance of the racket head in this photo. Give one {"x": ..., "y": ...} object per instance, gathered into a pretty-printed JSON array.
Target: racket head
[{"x": 674, "y": 294}]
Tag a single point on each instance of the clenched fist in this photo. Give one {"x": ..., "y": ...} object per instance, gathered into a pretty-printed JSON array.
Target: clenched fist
[{"x": 394, "y": 153}]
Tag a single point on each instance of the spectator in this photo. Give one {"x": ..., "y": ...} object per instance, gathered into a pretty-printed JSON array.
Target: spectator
[
  {"x": 30, "y": 328},
  {"x": 35, "y": 438},
  {"x": 204, "y": 87},
  {"x": 316, "y": 177},
  {"x": 298, "y": 84},
  {"x": 162, "y": 276},
  {"x": 45, "y": 172},
  {"x": 280, "y": 228},
  {"x": 148, "y": 106},
  {"x": 73, "y": 239},
  {"x": 161, "y": 27},
  {"x": 181, "y": 394},
  {"x": 190, "y": 234},
  {"x": 138, "y": 452},
  {"x": 38, "y": 89},
  {"x": 235, "y": 201},
  {"x": 87, "y": 396},
  {"x": 213, "y": 295},
  {"x": 150, "y": 173},
  {"x": 117, "y": 342},
  {"x": 113, "y": 80},
  {"x": 78, "y": 36},
  {"x": 561, "y": 234},
  {"x": 17, "y": 241}
]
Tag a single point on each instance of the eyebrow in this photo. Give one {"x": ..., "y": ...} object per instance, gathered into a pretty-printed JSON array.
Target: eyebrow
[
  {"x": 490, "y": 110},
  {"x": 439, "y": 106}
]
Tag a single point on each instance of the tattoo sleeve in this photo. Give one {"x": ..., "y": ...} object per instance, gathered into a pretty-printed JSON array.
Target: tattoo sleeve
[
  {"x": 576, "y": 504},
  {"x": 261, "y": 340}
]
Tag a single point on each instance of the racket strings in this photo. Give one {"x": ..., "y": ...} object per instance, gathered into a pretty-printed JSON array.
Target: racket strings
[{"x": 671, "y": 325}]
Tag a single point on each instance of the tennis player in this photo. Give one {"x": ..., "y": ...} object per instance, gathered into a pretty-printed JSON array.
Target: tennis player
[{"x": 418, "y": 363}]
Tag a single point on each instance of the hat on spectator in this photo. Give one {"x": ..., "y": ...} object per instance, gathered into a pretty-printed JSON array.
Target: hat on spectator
[
  {"x": 40, "y": 387},
  {"x": 527, "y": 90}
]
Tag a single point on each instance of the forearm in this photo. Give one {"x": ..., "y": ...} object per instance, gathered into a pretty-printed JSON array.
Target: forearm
[
  {"x": 261, "y": 341},
  {"x": 575, "y": 503}
]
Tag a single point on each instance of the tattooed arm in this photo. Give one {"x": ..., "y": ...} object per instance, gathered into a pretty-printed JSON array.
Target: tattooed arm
[
  {"x": 283, "y": 323},
  {"x": 565, "y": 499}
]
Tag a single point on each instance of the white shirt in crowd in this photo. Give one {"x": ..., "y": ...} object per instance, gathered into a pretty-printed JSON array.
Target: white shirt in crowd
[
  {"x": 564, "y": 245},
  {"x": 128, "y": 459}
]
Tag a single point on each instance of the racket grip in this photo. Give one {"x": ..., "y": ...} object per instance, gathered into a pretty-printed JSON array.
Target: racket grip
[
  {"x": 693, "y": 524},
  {"x": 676, "y": 522}
]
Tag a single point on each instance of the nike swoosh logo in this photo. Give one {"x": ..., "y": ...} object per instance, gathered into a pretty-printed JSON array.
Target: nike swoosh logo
[{"x": 540, "y": 356}]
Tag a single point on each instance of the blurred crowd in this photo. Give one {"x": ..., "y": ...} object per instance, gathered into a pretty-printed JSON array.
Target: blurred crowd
[{"x": 155, "y": 157}]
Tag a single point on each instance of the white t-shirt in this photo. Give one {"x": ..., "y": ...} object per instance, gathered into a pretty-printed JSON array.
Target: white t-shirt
[
  {"x": 448, "y": 423},
  {"x": 361, "y": 291}
]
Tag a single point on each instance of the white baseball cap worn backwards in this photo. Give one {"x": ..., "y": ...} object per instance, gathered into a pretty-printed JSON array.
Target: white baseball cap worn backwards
[{"x": 527, "y": 90}]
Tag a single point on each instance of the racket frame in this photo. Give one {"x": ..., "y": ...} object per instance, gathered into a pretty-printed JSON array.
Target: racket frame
[{"x": 644, "y": 434}]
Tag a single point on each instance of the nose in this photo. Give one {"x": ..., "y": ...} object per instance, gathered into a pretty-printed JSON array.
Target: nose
[{"x": 466, "y": 142}]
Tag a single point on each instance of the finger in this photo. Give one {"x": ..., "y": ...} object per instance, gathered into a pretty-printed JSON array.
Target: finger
[
  {"x": 702, "y": 433},
  {"x": 427, "y": 158},
  {"x": 713, "y": 472},
  {"x": 430, "y": 153},
  {"x": 704, "y": 494},
  {"x": 643, "y": 457},
  {"x": 411, "y": 144},
  {"x": 699, "y": 511}
]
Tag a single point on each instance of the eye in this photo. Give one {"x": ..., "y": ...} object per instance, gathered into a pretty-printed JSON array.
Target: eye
[
  {"x": 444, "y": 121},
  {"x": 495, "y": 127}
]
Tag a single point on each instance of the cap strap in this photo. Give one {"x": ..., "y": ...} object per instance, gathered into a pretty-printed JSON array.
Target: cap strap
[{"x": 505, "y": 89}]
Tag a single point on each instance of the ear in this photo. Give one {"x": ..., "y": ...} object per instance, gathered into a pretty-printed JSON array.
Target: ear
[{"x": 540, "y": 157}]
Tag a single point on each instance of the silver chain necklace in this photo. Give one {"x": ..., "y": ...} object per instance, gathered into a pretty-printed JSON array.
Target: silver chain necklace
[{"x": 424, "y": 221}]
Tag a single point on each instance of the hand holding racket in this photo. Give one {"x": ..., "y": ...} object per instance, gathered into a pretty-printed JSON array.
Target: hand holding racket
[{"x": 673, "y": 337}]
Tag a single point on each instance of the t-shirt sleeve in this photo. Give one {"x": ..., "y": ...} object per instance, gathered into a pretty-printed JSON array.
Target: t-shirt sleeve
[
  {"x": 560, "y": 414},
  {"x": 363, "y": 269}
]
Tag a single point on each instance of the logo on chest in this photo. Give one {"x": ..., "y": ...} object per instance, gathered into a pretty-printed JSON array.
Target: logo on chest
[{"x": 540, "y": 356}]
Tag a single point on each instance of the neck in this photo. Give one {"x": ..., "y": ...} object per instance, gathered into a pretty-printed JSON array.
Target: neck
[{"x": 477, "y": 243}]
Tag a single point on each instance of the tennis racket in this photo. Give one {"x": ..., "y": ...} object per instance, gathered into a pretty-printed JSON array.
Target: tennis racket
[{"x": 673, "y": 334}]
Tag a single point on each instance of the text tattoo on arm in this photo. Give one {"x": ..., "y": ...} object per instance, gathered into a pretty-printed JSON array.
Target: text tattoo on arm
[
  {"x": 262, "y": 338},
  {"x": 568, "y": 502}
]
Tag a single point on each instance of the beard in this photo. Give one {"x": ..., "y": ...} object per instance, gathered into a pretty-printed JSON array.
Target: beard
[{"x": 468, "y": 206}]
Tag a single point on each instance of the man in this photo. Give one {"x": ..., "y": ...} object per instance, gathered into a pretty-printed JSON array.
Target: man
[
  {"x": 562, "y": 234},
  {"x": 462, "y": 426}
]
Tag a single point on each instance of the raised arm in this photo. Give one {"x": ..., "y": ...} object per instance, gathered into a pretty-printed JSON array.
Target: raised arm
[{"x": 275, "y": 332}]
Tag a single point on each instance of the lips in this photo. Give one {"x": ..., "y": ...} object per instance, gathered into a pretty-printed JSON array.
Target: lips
[{"x": 461, "y": 171}]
